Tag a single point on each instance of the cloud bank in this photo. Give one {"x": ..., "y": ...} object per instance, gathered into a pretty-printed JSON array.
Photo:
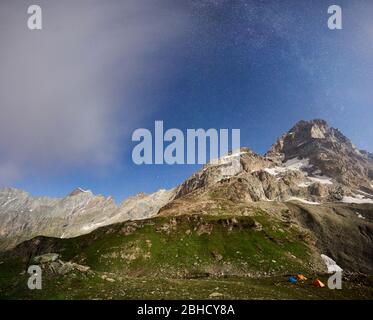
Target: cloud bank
[{"x": 69, "y": 92}]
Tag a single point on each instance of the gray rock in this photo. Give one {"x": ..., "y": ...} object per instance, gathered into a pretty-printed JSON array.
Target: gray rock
[
  {"x": 45, "y": 258},
  {"x": 23, "y": 217}
]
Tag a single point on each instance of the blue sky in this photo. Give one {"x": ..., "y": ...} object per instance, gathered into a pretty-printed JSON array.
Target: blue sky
[{"x": 259, "y": 66}]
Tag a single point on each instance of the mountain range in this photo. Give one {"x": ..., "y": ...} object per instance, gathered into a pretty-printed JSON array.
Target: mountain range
[
  {"x": 312, "y": 163},
  {"x": 313, "y": 180}
]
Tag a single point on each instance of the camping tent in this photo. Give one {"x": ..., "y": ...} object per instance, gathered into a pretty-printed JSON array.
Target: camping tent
[
  {"x": 301, "y": 277},
  {"x": 318, "y": 283},
  {"x": 292, "y": 280}
]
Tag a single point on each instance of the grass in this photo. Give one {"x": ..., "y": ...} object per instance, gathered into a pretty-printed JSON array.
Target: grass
[
  {"x": 92, "y": 286},
  {"x": 169, "y": 248},
  {"x": 188, "y": 257}
]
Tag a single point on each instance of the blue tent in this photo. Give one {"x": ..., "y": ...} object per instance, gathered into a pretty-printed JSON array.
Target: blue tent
[{"x": 292, "y": 280}]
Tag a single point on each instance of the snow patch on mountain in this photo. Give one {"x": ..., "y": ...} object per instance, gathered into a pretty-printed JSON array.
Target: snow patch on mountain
[
  {"x": 321, "y": 179},
  {"x": 331, "y": 264},
  {"x": 304, "y": 184},
  {"x": 357, "y": 198},
  {"x": 93, "y": 226},
  {"x": 315, "y": 179},
  {"x": 365, "y": 193},
  {"x": 227, "y": 158},
  {"x": 294, "y": 164},
  {"x": 359, "y": 215},
  {"x": 302, "y": 200}
]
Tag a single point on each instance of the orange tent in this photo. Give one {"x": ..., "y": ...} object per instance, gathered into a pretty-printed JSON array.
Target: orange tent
[
  {"x": 301, "y": 277},
  {"x": 318, "y": 283}
]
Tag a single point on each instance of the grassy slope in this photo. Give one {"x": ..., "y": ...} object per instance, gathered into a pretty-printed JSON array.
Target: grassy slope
[{"x": 184, "y": 257}]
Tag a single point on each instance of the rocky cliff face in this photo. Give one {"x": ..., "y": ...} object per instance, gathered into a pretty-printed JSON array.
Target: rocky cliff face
[
  {"x": 312, "y": 163},
  {"x": 23, "y": 217},
  {"x": 328, "y": 152}
]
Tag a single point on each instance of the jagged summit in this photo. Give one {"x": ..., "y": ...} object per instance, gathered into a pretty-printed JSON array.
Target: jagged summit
[
  {"x": 78, "y": 191},
  {"x": 328, "y": 150},
  {"x": 315, "y": 133}
]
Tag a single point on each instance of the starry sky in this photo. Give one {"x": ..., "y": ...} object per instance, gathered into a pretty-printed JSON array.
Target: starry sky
[{"x": 73, "y": 93}]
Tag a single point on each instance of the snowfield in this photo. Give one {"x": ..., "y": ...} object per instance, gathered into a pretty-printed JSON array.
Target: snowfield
[
  {"x": 290, "y": 165},
  {"x": 356, "y": 199},
  {"x": 331, "y": 264},
  {"x": 227, "y": 158},
  {"x": 92, "y": 226},
  {"x": 297, "y": 164},
  {"x": 316, "y": 179},
  {"x": 321, "y": 179},
  {"x": 302, "y": 200},
  {"x": 304, "y": 184},
  {"x": 359, "y": 215}
]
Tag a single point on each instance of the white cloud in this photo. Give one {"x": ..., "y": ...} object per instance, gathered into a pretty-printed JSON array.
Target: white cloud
[{"x": 69, "y": 91}]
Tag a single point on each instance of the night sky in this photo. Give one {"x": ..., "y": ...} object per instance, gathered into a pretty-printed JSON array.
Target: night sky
[{"x": 259, "y": 66}]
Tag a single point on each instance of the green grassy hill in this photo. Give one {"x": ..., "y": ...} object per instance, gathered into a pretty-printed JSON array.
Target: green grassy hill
[{"x": 191, "y": 256}]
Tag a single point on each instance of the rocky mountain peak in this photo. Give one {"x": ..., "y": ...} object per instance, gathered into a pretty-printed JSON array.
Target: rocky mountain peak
[
  {"x": 9, "y": 192},
  {"x": 78, "y": 191},
  {"x": 309, "y": 136},
  {"x": 327, "y": 151}
]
